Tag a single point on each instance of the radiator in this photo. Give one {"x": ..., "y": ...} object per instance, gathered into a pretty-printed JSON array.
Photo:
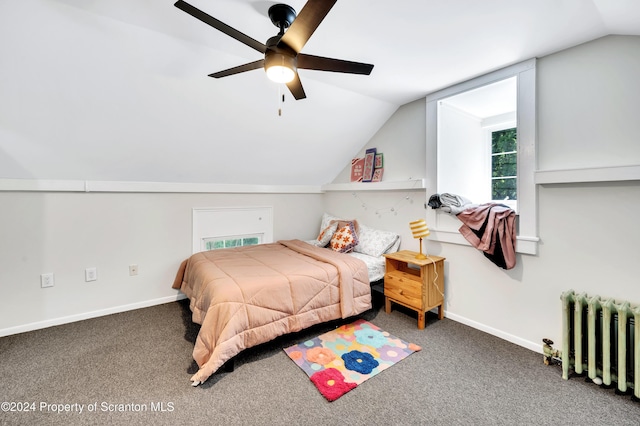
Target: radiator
[{"x": 601, "y": 337}]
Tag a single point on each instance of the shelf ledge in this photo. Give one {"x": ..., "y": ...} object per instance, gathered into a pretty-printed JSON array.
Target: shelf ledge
[
  {"x": 47, "y": 185},
  {"x": 376, "y": 186},
  {"x": 588, "y": 174}
]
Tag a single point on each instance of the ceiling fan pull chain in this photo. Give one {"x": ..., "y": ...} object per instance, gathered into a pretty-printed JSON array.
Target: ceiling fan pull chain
[{"x": 280, "y": 103}]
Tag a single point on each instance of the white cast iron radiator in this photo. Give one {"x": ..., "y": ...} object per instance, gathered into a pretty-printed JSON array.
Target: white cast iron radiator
[{"x": 603, "y": 338}]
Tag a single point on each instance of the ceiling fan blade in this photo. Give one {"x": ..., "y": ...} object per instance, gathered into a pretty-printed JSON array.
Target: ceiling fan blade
[
  {"x": 311, "y": 62},
  {"x": 221, "y": 26},
  {"x": 306, "y": 23},
  {"x": 295, "y": 87},
  {"x": 240, "y": 68}
]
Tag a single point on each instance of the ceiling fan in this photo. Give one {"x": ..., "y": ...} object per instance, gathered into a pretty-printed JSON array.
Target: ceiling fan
[{"x": 282, "y": 57}]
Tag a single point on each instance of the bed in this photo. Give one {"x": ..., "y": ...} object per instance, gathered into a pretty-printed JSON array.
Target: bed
[{"x": 250, "y": 295}]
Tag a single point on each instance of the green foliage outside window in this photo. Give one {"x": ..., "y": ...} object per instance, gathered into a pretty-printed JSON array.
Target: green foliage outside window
[
  {"x": 504, "y": 165},
  {"x": 214, "y": 245},
  {"x": 231, "y": 242}
]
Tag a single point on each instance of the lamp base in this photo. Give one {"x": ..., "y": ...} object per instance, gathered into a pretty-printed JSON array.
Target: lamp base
[{"x": 420, "y": 255}]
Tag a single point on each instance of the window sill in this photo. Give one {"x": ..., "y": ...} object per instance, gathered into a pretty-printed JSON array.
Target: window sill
[{"x": 524, "y": 244}]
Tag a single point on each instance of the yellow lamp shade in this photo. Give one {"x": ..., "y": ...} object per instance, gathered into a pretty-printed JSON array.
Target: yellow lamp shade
[{"x": 419, "y": 228}]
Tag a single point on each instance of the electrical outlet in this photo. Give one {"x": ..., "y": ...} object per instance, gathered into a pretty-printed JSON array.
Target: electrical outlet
[
  {"x": 47, "y": 280},
  {"x": 90, "y": 274},
  {"x": 133, "y": 270}
]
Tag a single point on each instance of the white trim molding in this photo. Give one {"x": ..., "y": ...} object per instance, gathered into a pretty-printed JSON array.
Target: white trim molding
[
  {"x": 588, "y": 174},
  {"x": 533, "y": 346},
  {"x": 88, "y": 315},
  {"x": 375, "y": 186},
  {"x": 47, "y": 185}
]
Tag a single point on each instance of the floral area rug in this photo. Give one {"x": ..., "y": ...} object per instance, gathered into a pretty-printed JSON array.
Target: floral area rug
[{"x": 341, "y": 359}]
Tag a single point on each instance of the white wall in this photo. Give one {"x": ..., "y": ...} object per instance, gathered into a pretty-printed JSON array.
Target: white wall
[
  {"x": 587, "y": 117},
  {"x": 65, "y": 233},
  {"x": 462, "y": 152},
  {"x": 588, "y": 105},
  {"x": 386, "y": 210},
  {"x": 401, "y": 140},
  {"x": 396, "y": 139}
]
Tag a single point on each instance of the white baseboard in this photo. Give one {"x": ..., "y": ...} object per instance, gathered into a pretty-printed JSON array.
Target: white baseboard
[
  {"x": 87, "y": 315},
  {"x": 536, "y": 347}
]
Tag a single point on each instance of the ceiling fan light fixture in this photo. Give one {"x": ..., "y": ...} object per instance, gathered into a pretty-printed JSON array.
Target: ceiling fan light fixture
[
  {"x": 280, "y": 68},
  {"x": 280, "y": 74}
]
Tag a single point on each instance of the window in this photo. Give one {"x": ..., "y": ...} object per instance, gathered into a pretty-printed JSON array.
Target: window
[
  {"x": 222, "y": 227},
  {"x": 481, "y": 145},
  {"x": 217, "y": 243},
  {"x": 504, "y": 166}
]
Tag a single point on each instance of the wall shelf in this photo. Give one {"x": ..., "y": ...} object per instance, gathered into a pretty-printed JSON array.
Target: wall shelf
[
  {"x": 376, "y": 186},
  {"x": 47, "y": 185},
  {"x": 589, "y": 174}
]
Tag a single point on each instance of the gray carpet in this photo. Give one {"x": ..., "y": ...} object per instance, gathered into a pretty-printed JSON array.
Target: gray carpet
[{"x": 143, "y": 358}]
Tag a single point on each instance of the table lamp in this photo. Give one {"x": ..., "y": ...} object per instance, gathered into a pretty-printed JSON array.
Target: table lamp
[{"x": 420, "y": 230}]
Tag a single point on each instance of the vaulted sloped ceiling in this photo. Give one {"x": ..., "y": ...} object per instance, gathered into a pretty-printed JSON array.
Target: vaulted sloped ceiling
[{"x": 118, "y": 89}]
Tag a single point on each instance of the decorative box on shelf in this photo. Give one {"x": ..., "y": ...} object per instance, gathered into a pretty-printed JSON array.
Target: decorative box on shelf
[{"x": 417, "y": 284}]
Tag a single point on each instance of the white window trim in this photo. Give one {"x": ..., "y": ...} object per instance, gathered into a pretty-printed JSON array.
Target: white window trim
[{"x": 527, "y": 239}]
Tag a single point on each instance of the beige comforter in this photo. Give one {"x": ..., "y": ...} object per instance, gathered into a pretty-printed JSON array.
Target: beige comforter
[{"x": 246, "y": 296}]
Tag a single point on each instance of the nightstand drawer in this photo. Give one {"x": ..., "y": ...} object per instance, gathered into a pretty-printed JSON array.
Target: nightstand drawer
[{"x": 403, "y": 287}]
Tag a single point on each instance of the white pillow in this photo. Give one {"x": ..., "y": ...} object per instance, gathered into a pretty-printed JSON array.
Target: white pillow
[
  {"x": 375, "y": 242},
  {"x": 326, "y": 218},
  {"x": 394, "y": 247},
  {"x": 326, "y": 234}
]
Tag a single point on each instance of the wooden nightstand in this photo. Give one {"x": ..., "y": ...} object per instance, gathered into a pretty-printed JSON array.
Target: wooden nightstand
[{"x": 420, "y": 289}]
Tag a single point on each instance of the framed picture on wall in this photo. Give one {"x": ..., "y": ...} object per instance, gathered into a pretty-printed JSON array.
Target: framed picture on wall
[
  {"x": 369, "y": 160},
  {"x": 378, "y": 164},
  {"x": 377, "y": 175},
  {"x": 357, "y": 169}
]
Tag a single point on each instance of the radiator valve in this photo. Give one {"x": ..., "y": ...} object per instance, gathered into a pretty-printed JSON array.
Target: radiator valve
[{"x": 549, "y": 352}]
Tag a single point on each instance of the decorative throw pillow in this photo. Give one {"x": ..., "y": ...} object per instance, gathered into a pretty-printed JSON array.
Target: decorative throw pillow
[
  {"x": 345, "y": 238},
  {"x": 325, "y": 235},
  {"x": 329, "y": 219}
]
